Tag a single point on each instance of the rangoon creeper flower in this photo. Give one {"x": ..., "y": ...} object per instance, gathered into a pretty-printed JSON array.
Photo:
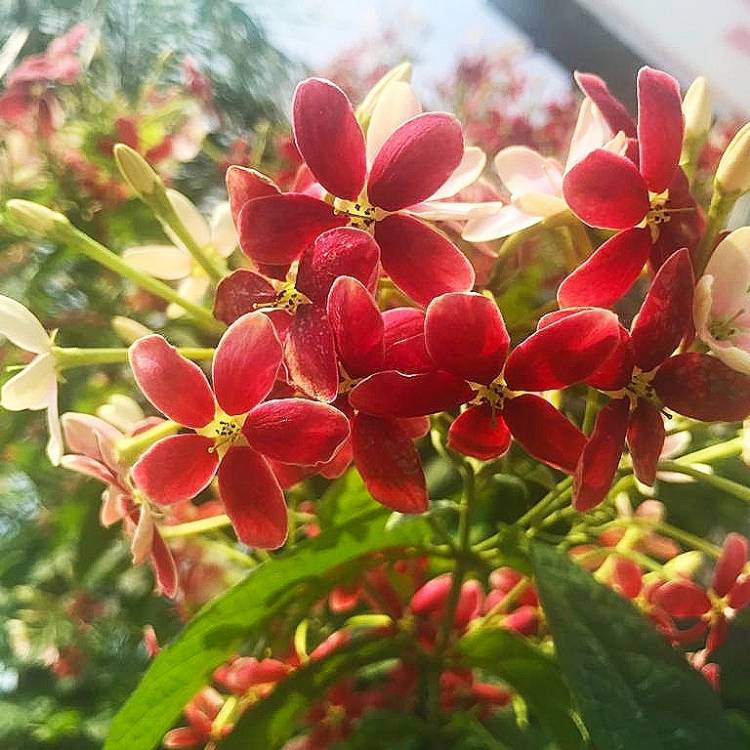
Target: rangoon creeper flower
[
  {"x": 35, "y": 386},
  {"x": 232, "y": 430},
  {"x": 722, "y": 301},
  {"x": 174, "y": 262}
]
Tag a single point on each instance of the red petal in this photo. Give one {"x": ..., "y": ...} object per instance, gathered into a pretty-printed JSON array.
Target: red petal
[
  {"x": 682, "y": 598},
  {"x": 408, "y": 356},
  {"x": 329, "y": 138},
  {"x": 402, "y": 323},
  {"x": 310, "y": 354},
  {"x": 277, "y": 228},
  {"x": 246, "y": 362},
  {"x": 466, "y": 335},
  {"x": 339, "y": 252},
  {"x": 666, "y": 313},
  {"x": 702, "y": 387},
  {"x": 739, "y": 596},
  {"x": 176, "y": 468},
  {"x": 253, "y": 499},
  {"x": 174, "y": 385},
  {"x": 240, "y": 292},
  {"x": 389, "y": 464},
  {"x": 357, "y": 327},
  {"x": 393, "y": 394},
  {"x": 479, "y": 432},
  {"x": 165, "y": 569},
  {"x": 606, "y": 190},
  {"x": 627, "y": 576},
  {"x": 609, "y": 273},
  {"x": 296, "y": 431},
  {"x": 244, "y": 185},
  {"x": 660, "y": 127},
  {"x": 645, "y": 440},
  {"x": 420, "y": 261},
  {"x": 617, "y": 369},
  {"x": 544, "y": 432},
  {"x": 612, "y": 109},
  {"x": 565, "y": 352},
  {"x": 730, "y": 564},
  {"x": 601, "y": 455},
  {"x": 415, "y": 161}
]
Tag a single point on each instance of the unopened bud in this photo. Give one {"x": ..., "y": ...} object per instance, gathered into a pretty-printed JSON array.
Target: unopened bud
[
  {"x": 369, "y": 620},
  {"x": 401, "y": 72},
  {"x": 696, "y": 106},
  {"x": 733, "y": 173},
  {"x": 129, "y": 330},
  {"x": 136, "y": 170},
  {"x": 36, "y": 217}
]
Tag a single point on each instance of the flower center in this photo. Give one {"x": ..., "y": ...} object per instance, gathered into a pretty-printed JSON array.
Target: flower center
[
  {"x": 640, "y": 387},
  {"x": 492, "y": 395},
  {"x": 224, "y": 430},
  {"x": 289, "y": 298},
  {"x": 722, "y": 330},
  {"x": 660, "y": 213},
  {"x": 361, "y": 214}
]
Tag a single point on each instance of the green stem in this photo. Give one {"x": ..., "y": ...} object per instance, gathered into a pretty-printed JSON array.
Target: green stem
[
  {"x": 562, "y": 491},
  {"x": 589, "y": 415},
  {"x": 713, "y": 453},
  {"x": 191, "y": 528},
  {"x": 130, "y": 448},
  {"x": 740, "y": 491},
  {"x": 80, "y": 357},
  {"x": 718, "y": 213}
]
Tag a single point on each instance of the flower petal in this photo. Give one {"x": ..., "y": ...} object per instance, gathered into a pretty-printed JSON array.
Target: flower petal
[
  {"x": 394, "y": 394},
  {"x": 21, "y": 327},
  {"x": 465, "y": 335},
  {"x": 591, "y": 132},
  {"x": 401, "y": 323},
  {"x": 389, "y": 464},
  {"x": 246, "y": 362},
  {"x": 174, "y": 385},
  {"x": 166, "y": 262},
  {"x": 606, "y": 190},
  {"x": 89, "y": 467},
  {"x": 329, "y": 138},
  {"x": 55, "y": 446},
  {"x": 564, "y": 352},
  {"x": 420, "y": 261},
  {"x": 612, "y": 109},
  {"x": 730, "y": 564},
  {"x": 479, "y": 432},
  {"x": 504, "y": 221},
  {"x": 645, "y": 440},
  {"x": 396, "y": 104},
  {"x": 277, "y": 228},
  {"x": 729, "y": 267},
  {"x": 176, "y": 468},
  {"x": 523, "y": 170},
  {"x": 660, "y": 127},
  {"x": 191, "y": 218},
  {"x": 681, "y": 598},
  {"x": 223, "y": 233},
  {"x": 357, "y": 327},
  {"x": 296, "y": 431},
  {"x": 29, "y": 388},
  {"x": 466, "y": 173},
  {"x": 601, "y": 456},
  {"x": 609, "y": 273},
  {"x": 240, "y": 292},
  {"x": 415, "y": 161},
  {"x": 703, "y": 387},
  {"x": 165, "y": 568},
  {"x": 253, "y": 499},
  {"x": 408, "y": 356},
  {"x": 244, "y": 184}
]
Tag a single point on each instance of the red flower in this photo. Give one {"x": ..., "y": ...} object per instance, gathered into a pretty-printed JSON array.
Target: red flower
[
  {"x": 233, "y": 431},
  {"x": 416, "y": 160}
]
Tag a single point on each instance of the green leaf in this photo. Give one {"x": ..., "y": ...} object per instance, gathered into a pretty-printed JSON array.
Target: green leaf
[
  {"x": 534, "y": 675},
  {"x": 344, "y": 499},
  {"x": 292, "y": 579},
  {"x": 633, "y": 689}
]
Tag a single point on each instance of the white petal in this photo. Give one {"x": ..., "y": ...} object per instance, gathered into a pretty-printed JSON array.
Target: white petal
[
  {"x": 676, "y": 444},
  {"x": 730, "y": 267},
  {"x": 539, "y": 204},
  {"x": 121, "y": 411},
  {"x": 523, "y": 170},
  {"x": 732, "y": 356},
  {"x": 591, "y": 132},
  {"x": 114, "y": 507},
  {"x": 30, "y": 388},
  {"x": 193, "y": 289},
  {"x": 465, "y": 174},
  {"x": 618, "y": 144},
  {"x": 162, "y": 261},
  {"x": 396, "y": 104},
  {"x": 506, "y": 220},
  {"x": 21, "y": 327},
  {"x": 190, "y": 217},
  {"x": 702, "y": 301},
  {"x": 452, "y": 210},
  {"x": 223, "y": 233},
  {"x": 55, "y": 442}
]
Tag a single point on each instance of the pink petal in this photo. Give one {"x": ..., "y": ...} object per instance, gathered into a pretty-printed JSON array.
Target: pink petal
[
  {"x": 606, "y": 190},
  {"x": 479, "y": 432},
  {"x": 296, "y": 431},
  {"x": 176, "y": 468},
  {"x": 89, "y": 467},
  {"x": 164, "y": 565},
  {"x": 660, "y": 127},
  {"x": 565, "y": 352},
  {"x": 393, "y": 394},
  {"x": 609, "y": 273},
  {"x": 277, "y": 228},
  {"x": 731, "y": 563},
  {"x": 246, "y": 362},
  {"x": 702, "y": 387},
  {"x": 357, "y": 327},
  {"x": 466, "y": 335},
  {"x": 645, "y": 440},
  {"x": 415, "y": 161},
  {"x": 389, "y": 464},
  {"x": 82, "y": 430},
  {"x": 601, "y": 456},
  {"x": 420, "y": 261},
  {"x": 338, "y": 252},
  {"x": 253, "y": 499},
  {"x": 329, "y": 138},
  {"x": 244, "y": 184},
  {"x": 544, "y": 432},
  {"x": 310, "y": 353},
  {"x": 240, "y": 292},
  {"x": 612, "y": 109},
  {"x": 402, "y": 323},
  {"x": 174, "y": 385}
]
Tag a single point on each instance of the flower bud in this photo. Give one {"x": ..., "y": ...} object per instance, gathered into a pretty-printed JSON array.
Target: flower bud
[
  {"x": 696, "y": 106},
  {"x": 34, "y": 216},
  {"x": 733, "y": 173},
  {"x": 401, "y": 72},
  {"x": 129, "y": 330},
  {"x": 136, "y": 170}
]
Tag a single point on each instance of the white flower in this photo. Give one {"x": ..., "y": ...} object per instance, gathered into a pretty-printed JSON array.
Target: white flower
[
  {"x": 722, "y": 301},
  {"x": 35, "y": 386},
  {"x": 174, "y": 262}
]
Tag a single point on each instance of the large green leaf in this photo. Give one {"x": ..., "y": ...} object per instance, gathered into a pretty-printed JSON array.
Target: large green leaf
[
  {"x": 220, "y": 628},
  {"x": 534, "y": 675},
  {"x": 633, "y": 690}
]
